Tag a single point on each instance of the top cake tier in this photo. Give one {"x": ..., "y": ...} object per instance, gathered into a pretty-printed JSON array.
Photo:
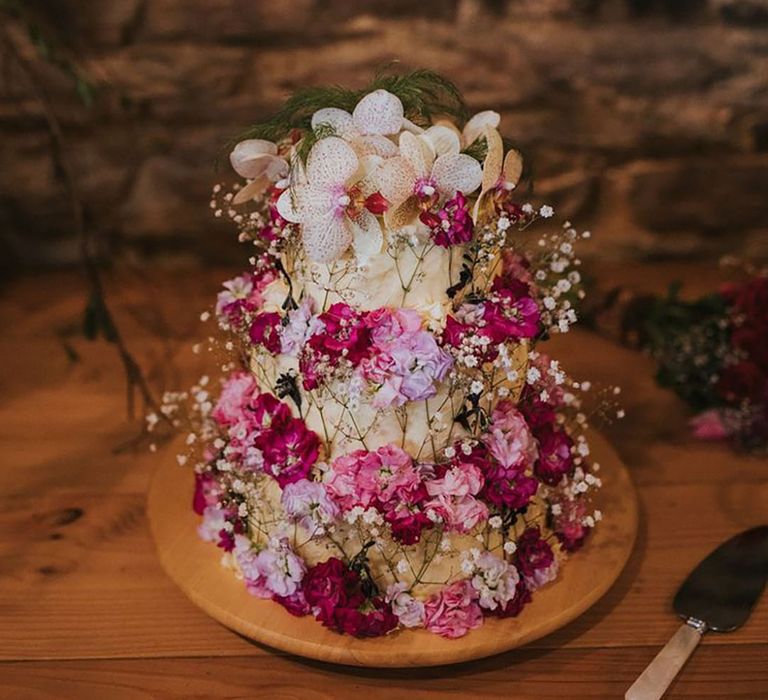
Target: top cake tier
[{"x": 369, "y": 208}]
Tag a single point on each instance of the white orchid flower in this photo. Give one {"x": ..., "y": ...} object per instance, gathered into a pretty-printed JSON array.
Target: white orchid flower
[
  {"x": 378, "y": 115},
  {"x": 446, "y": 134},
  {"x": 428, "y": 169},
  {"x": 329, "y": 202},
  {"x": 257, "y": 160},
  {"x": 500, "y": 173}
]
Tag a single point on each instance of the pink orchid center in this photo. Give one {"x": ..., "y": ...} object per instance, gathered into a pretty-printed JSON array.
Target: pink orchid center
[{"x": 425, "y": 188}]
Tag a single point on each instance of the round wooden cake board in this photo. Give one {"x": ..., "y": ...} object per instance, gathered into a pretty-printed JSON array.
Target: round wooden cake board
[{"x": 195, "y": 567}]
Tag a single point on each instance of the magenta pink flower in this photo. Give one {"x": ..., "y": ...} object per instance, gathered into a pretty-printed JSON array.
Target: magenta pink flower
[
  {"x": 555, "y": 457},
  {"x": 334, "y": 593},
  {"x": 535, "y": 559},
  {"x": 344, "y": 334},
  {"x": 268, "y": 412},
  {"x": 709, "y": 425},
  {"x": 339, "y": 333},
  {"x": 296, "y": 604},
  {"x": 289, "y": 451},
  {"x": 454, "y": 611},
  {"x": 452, "y": 224},
  {"x": 407, "y": 520},
  {"x": 207, "y": 491},
  {"x": 265, "y": 331}
]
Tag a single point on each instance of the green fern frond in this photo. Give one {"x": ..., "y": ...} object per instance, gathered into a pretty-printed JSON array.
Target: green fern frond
[
  {"x": 312, "y": 136},
  {"x": 424, "y": 94}
]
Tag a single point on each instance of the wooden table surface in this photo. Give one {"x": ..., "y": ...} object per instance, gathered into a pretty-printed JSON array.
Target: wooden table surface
[{"x": 86, "y": 612}]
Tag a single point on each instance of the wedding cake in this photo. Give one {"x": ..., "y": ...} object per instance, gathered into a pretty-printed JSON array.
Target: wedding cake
[{"x": 391, "y": 448}]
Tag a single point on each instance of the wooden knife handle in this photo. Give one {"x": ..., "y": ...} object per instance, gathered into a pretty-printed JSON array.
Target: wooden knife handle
[{"x": 657, "y": 677}]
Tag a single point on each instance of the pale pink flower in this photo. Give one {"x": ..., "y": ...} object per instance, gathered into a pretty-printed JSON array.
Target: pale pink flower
[
  {"x": 454, "y": 611},
  {"x": 509, "y": 439},
  {"x": 276, "y": 570},
  {"x": 408, "y": 610},
  {"x": 237, "y": 391},
  {"x": 308, "y": 503},
  {"x": 495, "y": 581},
  {"x": 342, "y": 480}
]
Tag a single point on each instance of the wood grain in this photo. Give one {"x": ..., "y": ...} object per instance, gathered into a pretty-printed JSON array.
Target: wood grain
[
  {"x": 524, "y": 674},
  {"x": 86, "y": 611}
]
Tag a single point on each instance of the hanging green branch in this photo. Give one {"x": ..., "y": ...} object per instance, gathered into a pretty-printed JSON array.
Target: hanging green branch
[{"x": 98, "y": 319}]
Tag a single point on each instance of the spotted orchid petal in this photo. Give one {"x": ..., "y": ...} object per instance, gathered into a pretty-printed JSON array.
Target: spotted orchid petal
[
  {"x": 396, "y": 178},
  {"x": 417, "y": 152},
  {"x": 288, "y": 207},
  {"x": 476, "y": 126},
  {"x": 326, "y": 238},
  {"x": 374, "y": 145},
  {"x": 252, "y": 190},
  {"x": 494, "y": 158},
  {"x": 442, "y": 139},
  {"x": 367, "y": 236},
  {"x": 379, "y": 112},
  {"x": 253, "y": 158},
  {"x": 397, "y": 217},
  {"x": 457, "y": 171},
  {"x": 331, "y": 162},
  {"x": 338, "y": 119},
  {"x": 408, "y": 125},
  {"x": 513, "y": 167},
  {"x": 367, "y": 177}
]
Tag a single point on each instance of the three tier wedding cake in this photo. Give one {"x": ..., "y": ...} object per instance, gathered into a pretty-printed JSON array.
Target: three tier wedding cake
[{"x": 391, "y": 447}]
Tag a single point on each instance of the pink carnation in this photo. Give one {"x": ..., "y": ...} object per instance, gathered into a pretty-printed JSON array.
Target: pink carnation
[
  {"x": 509, "y": 438},
  {"x": 453, "y": 497},
  {"x": 388, "y": 473},
  {"x": 342, "y": 480},
  {"x": 406, "y": 362},
  {"x": 265, "y": 331},
  {"x": 243, "y": 295},
  {"x": 289, "y": 451},
  {"x": 454, "y": 611},
  {"x": 237, "y": 392},
  {"x": 535, "y": 559}
]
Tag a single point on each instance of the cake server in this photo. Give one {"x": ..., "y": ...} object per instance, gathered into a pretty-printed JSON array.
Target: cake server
[{"x": 718, "y": 595}]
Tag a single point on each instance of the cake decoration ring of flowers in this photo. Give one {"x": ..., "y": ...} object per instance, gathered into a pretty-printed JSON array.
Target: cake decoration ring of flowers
[{"x": 391, "y": 448}]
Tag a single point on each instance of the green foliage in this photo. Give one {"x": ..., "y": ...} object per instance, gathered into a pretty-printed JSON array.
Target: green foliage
[
  {"x": 49, "y": 50},
  {"x": 321, "y": 131},
  {"x": 688, "y": 339},
  {"x": 478, "y": 149},
  {"x": 424, "y": 94}
]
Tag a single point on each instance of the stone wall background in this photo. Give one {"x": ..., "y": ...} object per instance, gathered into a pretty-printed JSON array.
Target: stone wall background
[{"x": 647, "y": 120}]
